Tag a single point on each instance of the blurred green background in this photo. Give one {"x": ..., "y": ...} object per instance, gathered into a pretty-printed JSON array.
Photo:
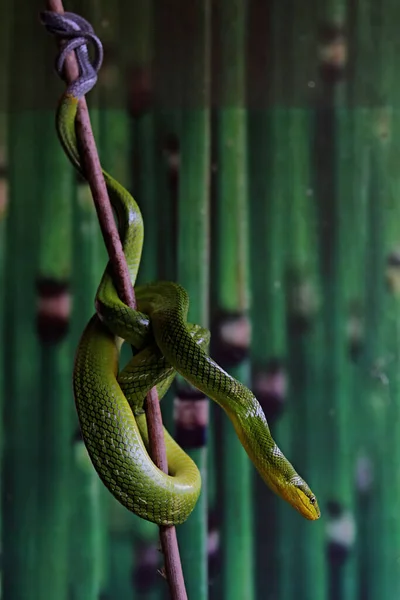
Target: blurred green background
[{"x": 261, "y": 141}]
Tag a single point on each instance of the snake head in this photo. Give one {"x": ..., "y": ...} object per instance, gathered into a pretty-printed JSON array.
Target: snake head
[
  {"x": 65, "y": 24},
  {"x": 78, "y": 33},
  {"x": 299, "y": 495}
]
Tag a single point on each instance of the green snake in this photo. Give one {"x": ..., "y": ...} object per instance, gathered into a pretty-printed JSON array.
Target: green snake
[{"x": 110, "y": 403}]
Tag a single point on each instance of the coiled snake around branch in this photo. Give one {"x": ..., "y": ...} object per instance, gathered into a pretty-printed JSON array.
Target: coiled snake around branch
[{"x": 110, "y": 403}]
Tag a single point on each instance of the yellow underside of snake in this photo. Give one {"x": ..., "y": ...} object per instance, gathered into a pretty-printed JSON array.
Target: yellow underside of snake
[{"x": 110, "y": 403}]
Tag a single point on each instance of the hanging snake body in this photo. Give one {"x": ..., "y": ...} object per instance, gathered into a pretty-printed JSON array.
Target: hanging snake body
[{"x": 110, "y": 403}]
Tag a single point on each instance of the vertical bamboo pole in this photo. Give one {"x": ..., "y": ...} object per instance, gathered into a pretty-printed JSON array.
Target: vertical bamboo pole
[
  {"x": 391, "y": 493},
  {"x": 53, "y": 318},
  {"x": 128, "y": 143},
  {"x": 167, "y": 89},
  {"x": 167, "y": 82},
  {"x": 115, "y": 144},
  {"x": 193, "y": 267},
  {"x": 87, "y": 518},
  {"x": 142, "y": 110},
  {"x": 4, "y": 105},
  {"x": 232, "y": 337},
  {"x": 372, "y": 543},
  {"x": 364, "y": 68},
  {"x": 4, "y": 79},
  {"x": 333, "y": 188},
  {"x": 21, "y": 410},
  {"x": 89, "y": 260},
  {"x": 303, "y": 298},
  {"x": 141, "y": 104},
  {"x": 304, "y": 352},
  {"x": 386, "y": 127},
  {"x": 280, "y": 194},
  {"x": 267, "y": 168}
]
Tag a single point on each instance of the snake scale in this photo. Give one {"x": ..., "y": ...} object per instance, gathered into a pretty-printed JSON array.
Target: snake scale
[{"x": 110, "y": 402}]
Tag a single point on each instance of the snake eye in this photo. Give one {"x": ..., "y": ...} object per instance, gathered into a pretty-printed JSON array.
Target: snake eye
[{"x": 313, "y": 499}]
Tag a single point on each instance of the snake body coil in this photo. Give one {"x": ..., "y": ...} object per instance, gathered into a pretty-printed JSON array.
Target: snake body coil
[{"x": 110, "y": 404}]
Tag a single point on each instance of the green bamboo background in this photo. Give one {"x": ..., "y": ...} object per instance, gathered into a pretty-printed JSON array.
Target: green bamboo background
[{"x": 261, "y": 142}]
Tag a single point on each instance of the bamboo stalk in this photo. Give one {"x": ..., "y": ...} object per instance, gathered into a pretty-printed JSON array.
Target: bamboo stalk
[
  {"x": 128, "y": 147},
  {"x": 114, "y": 140},
  {"x": 114, "y": 247},
  {"x": 372, "y": 535},
  {"x": 267, "y": 311},
  {"x": 167, "y": 117},
  {"x": 303, "y": 289},
  {"x": 89, "y": 523},
  {"x": 280, "y": 194},
  {"x": 4, "y": 75},
  {"x": 193, "y": 262},
  {"x": 53, "y": 325},
  {"x": 136, "y": 23},
  {"x": 334, "y": 198},
  {"x": 141, "y": 84},
  {"x": 268, "y": 124},
  {"x": 364, "y": 68},
  {"x": 231, "y": 281},
  {"x": 21, "y": 465},
  {"x": 304, "y": 355},
  {"x": 267, "y": 168},
  {"x": 384, "y": 204}
]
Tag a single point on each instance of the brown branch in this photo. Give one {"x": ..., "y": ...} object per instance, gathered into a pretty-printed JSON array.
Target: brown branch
[{"x": 116, "y": 255}]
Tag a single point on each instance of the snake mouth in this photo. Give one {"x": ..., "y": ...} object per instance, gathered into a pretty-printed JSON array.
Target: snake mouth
[
  {"x": 307, "y": 505},
  {"x": 299, "y": 495}
]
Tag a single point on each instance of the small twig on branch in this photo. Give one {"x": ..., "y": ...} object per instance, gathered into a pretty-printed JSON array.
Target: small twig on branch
[{"x": 116, "y": 255}]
